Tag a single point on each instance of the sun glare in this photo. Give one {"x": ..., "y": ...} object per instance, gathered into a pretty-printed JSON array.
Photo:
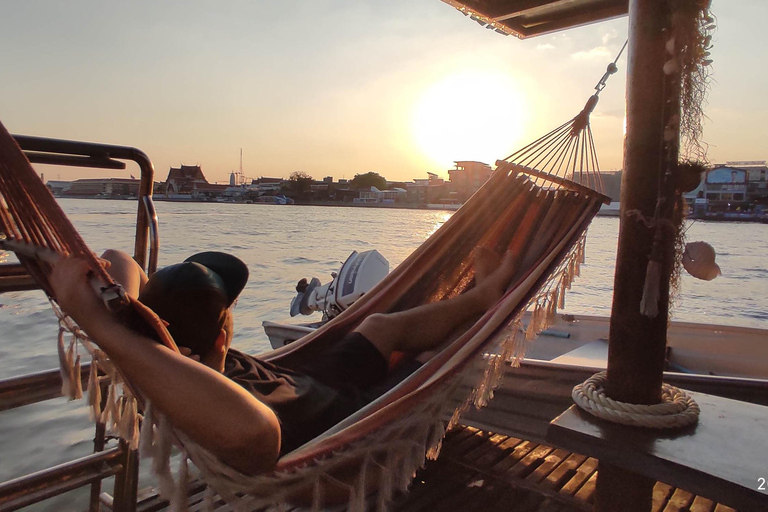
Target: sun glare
[{"x": 473, "y": 115}]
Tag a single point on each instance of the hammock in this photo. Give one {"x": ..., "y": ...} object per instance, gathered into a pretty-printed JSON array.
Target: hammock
[{"x": 538, "y": 203}]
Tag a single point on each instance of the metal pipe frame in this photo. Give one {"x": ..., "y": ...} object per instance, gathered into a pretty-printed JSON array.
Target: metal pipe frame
[
  {"x": 33, "y": 488},
  {"x": 35, "y": 387},
  {"x": 92, "y": 154},
  {"x": 119, "y": 461}
]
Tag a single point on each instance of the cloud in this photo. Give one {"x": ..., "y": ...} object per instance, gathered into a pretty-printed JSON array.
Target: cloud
[
  {"x": 609, "y": 36},
  {"x": 545, "y": 46},
  {"x": 598, "y": 53}
]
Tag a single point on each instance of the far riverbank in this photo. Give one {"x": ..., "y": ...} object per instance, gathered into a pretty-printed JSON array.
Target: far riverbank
[{"x": 604, "y": 212}]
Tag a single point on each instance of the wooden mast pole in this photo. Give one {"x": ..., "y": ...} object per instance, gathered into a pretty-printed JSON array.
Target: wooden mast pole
[{"x": 637, "y": 343}]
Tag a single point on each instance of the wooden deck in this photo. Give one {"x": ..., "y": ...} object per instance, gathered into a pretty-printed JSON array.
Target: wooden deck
[
  {"x": 493, "y": 472},
  {"x": 483, "y": 471}
]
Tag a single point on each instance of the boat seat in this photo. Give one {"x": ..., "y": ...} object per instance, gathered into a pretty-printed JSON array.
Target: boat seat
[{"x": 592, "y": 355}]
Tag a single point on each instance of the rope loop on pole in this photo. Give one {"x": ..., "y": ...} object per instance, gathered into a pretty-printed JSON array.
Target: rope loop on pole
[{"x": 677, "y": 408}]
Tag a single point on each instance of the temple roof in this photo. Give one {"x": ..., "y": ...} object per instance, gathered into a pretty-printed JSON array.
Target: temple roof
[
  {"x": 528, "y": 18},
  {"x": 186, "y": 172}
]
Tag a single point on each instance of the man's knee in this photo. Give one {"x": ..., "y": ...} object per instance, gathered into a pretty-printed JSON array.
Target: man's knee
[
  {"x": 124, "y": 269},
  {"x": 381, "y": 331},
  {"x": 115, "y": 257}
]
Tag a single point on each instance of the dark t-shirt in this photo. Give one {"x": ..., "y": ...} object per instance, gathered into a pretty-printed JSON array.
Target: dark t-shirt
[
  {"x": 304, "y": 406},
  {"x": 313, "y": 397}
]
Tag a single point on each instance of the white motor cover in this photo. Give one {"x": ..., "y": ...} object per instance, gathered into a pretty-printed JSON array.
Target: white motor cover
[{"x": 358, "y": 275}]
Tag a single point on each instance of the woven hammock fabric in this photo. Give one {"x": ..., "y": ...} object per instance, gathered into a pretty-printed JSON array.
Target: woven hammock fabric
[
  {"x": 531, "y": 205},
  {"x": 30, "y": 214}
]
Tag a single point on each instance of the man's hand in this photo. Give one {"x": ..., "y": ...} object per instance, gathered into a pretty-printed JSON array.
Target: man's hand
[
  {"x": 73, "y": 291},
  {"x": 187, "y": 352}
]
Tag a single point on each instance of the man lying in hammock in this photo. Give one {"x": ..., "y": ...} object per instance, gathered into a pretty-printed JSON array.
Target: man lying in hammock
[{"x": 246, "y": 411}]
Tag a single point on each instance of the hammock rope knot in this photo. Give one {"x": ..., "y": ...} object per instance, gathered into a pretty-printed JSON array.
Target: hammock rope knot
[{"x": 677, "y": 408}]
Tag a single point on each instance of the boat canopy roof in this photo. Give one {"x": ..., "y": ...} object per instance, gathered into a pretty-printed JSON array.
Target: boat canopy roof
[{"x": 528, "y": 18}]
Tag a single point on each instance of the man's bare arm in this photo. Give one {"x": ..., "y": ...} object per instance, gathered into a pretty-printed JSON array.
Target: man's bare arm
[{"x": 209, "y": 408}]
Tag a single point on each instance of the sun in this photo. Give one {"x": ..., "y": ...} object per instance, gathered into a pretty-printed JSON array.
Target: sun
[{"x": 470, "y": 115}]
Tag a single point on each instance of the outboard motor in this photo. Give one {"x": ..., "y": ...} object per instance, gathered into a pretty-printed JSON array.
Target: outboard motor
[{"x": 358, "y": 275}]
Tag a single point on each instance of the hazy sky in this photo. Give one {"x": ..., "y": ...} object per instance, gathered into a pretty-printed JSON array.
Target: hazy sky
[{"x": 336, "y": 88}]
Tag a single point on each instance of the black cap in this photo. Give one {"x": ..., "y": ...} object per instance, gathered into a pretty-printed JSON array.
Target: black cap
[
  {"x": 230, "y": 269},
  {"x": 191, "y": 296},
  {"x": 215, "y": 271}
]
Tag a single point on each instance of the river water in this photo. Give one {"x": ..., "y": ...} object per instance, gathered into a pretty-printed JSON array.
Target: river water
[{"x": 282, "y": 244}]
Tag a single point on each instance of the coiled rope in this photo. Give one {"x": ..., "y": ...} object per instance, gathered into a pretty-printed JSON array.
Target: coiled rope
[{"x": 677, "y": 408}]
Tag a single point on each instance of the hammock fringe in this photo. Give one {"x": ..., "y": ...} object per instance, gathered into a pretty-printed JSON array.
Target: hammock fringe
[{"x": 94, "y": 391}]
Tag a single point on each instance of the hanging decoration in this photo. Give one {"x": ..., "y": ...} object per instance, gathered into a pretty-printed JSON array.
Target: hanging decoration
[
  {"x": 687, "y": 71},
  {"x": 699, "y": 261}
]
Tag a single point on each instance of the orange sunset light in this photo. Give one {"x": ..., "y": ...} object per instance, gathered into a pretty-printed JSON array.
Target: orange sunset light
[{"x": 470, "y": 115}]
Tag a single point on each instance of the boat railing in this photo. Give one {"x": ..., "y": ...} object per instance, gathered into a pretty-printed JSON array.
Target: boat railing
[{"x": 117, "y": 461}]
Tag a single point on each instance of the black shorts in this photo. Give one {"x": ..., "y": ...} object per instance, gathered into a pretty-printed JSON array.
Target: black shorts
[{"x": 353, "y": 361}]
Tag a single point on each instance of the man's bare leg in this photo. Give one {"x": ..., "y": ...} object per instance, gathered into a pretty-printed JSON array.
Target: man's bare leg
[
  {"x": 125, "y": 271},
  {"x": 425, "y": 327}
]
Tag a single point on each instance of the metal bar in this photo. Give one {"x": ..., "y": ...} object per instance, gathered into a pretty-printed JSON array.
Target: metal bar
[
  {"x": 58, "y": 147},
  {"x": 142, "y": 217},
  {"x": 26, "y": 490},
  {"x": 154, "y": 238},
  {"x": 17, "y": 283},
  {"x": 57, "y": 489},
  {"x": 99, "y": 443},
  {"x": 74, "y": 161},
  {"x": 13, "y": 269},
  {"x": 36, "y": 387},
  {"x": 127, "y": 481}
]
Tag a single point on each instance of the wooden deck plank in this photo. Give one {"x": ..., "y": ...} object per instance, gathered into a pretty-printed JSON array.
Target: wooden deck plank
[
  {"x": 701, "y": 504},
  {"x": 155, "y": 503},
  {"x": 679, "y": 501},
  {"x": 489, "y": 446},
  {"x": 472, "y": 438},
  {"x": 583, "y": 472},
  {"x": 564, "y": 472},
  {"x": 551, "y": 462},
  {"x": 520, "y": 451},
  {"x": 502, "y": 450},
  {"x": 457, "y": 435},
  {"x": 587, "y": 491},
  {"x": 530, "y": 462},
  {"x": 661, "y": 494}
]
